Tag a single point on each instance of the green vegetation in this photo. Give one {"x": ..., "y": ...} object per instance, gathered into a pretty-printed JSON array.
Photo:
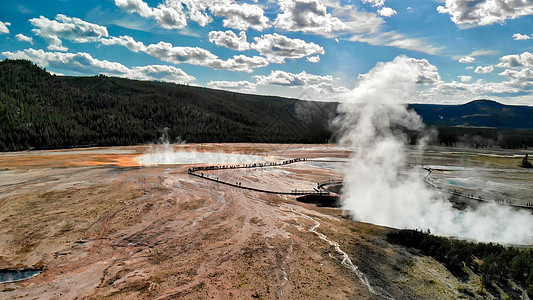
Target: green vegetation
[
  {"x": 526, "y": 163},
  {"x": 485, "y": 137},
  {"x": 43, "y": 111},
  {"x": 494, "y": 263}
]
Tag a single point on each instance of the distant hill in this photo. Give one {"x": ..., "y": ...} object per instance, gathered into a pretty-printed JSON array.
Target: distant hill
[
  {"x": 479, "y": 113},
  {"x": 43, "y": 111}
]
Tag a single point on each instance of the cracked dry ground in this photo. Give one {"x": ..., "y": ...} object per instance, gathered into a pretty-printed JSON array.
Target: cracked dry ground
[{"x": 102, "y": 228}]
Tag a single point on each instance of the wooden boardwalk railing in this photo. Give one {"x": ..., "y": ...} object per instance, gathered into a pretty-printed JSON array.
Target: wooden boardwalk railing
[{"x": 194, "y": 172}]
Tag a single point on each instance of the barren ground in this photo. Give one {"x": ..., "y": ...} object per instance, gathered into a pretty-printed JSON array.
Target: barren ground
[{"x": 104, "y": 227}]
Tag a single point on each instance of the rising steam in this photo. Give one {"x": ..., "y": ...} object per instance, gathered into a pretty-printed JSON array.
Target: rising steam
[
  {"x": 377, "y": 186},
  {"x": 166, "y": 153}
]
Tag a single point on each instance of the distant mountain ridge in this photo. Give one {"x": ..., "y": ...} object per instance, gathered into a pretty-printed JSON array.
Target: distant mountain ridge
[{"x": 478, "y": 113}]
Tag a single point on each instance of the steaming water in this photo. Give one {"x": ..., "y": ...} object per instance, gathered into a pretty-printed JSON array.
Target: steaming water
[
  {"x": 375, "y": 188},
  {"x": 165, "y": 155},
  {"x": 197, "y": 158}
]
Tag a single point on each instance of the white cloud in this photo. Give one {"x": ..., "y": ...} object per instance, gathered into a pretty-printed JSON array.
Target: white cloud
[
  {"x": 307, "y": 16},
  {"x": 314, "y": 59},
  {"x": 240, "y": 86},
  {"x": 173, "y": 14},
  {"x": 241, "y": 16},
  {"x": 189, "y": 55},
  {"x": 24, "y": 38},
  {"x": 521, "y": 37},
  {"x": 516, "y": 60},
  {"x": 3, "y": 27},
  {"x": 332, "y": 19},
  {"x": 522, "y": 79},
  {"x": 469, "y": 68},
  {"x": 176, "y": 55},
  {"x": 63, "y": 27},
  {"x": 484, "y": 70},
  {"x": 229, "y": 40},
  {"x": 84, "y": 63},
  {"x": 484, "y": 12},
  {"x": 278, "y": 47},
  {"x": 244, "y": 63},
  {"x": 278, "y": 77},
  {"x": 377, "y": 3},
  {"x": 161, "y": 72},
  {"x": 465, "y": 78},
  {"x": 168, "y": 16},
  {"x": 326, "y": 88},
  {"x": 386, "y": 12},
  {"x": 202, "y": 57},
  {"x": 467, "y": 59},
  {"x": 126, "y": 41},
  {"x": 314, "y": 83}
]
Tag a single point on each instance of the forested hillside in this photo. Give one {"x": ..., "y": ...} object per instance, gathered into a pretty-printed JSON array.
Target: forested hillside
[{"x": 43, "y": 111}]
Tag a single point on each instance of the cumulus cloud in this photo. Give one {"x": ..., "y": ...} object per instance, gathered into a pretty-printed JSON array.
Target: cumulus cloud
[
  {"x": 484, "y": 70},
  {"x": 314, "y": 83},
  {"x": 521, "y": 37},
  {"x": 278, "y": 47},
  {"x": 332, "y": 19},
  {"x": 244, "y": 63},
  {"x": 306, "y": 16},
  {"x": 189, "y": 55},
  {"x": 469, "y": 68},
  {"x": 516, "y": 60},
  {"x": 467, "y": 59},
  {"x": 484, "y": 12},
  {"x": 167, "y": 14},
  {"x": 239, "y": 86},
  {"x": 378, "y": 3},
  {"x": 326, "y": 88},
  {"x": 202, "y": 57},
  {"x": 161, "y": 72},
  {"x": 63, "y": 27},
  {"x": 278, "y": 77},
  {"x": 169, "y": 53},
  {"x": 126, "y": 41},
  {"x": 314, "y": 59},
  {"x": 229, "y": 40},
  {"x": 522, "y": 79},
  {"x": 241, "y": 16},
  {"x": 3, "y": 27},
  {"x": 84, "y": 63},
  {"x": 386, "y": 12},
  {"x": 465, "y": 78},
  {"x": 24, "y": 38}
]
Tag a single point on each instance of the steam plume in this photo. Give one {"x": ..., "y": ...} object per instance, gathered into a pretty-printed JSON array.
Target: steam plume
[{"x": 378, "y": 188}]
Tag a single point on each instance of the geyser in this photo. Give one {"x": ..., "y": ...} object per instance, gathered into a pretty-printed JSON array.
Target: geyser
[{"x": 377, "y": 189}]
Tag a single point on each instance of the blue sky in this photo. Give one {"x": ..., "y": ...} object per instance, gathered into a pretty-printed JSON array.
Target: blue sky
[{"x": 315, "y": 49}]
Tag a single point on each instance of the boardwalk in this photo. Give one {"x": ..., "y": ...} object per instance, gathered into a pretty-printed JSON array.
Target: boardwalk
[
  {"x": 471, "y": 197},
  {"x": 199, "y": 172}
]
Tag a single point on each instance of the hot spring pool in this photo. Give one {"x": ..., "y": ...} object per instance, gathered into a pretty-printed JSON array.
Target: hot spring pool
[{"x": 189, "y": 158}]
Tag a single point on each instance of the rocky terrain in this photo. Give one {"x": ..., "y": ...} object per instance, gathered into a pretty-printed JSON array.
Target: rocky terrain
[{"x": 100, "y": 225}]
